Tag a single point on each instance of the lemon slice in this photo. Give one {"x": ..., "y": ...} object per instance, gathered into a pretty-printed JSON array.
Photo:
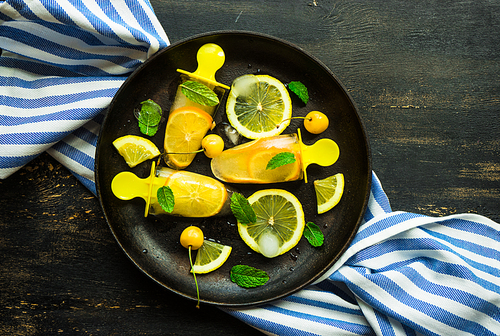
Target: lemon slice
[
  {"x": 329, "y": 191},
  {"x": 210, "y": 256},
  {"x": 196, "y": 195},
  {"x": 257, "y": 104},
  {"x": 280, "y": 222},
  {"x": 185, "y": 130},
  {"x": 135, "y": 149}
]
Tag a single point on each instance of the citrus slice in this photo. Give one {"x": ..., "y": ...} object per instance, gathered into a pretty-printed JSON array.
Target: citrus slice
[
  {"x": 210, "y": 256},
  {"x": 280, "y": 222},
  {"x": 257, "y": 168},
  {"x": 329, "y": 191},
  {"x": 185, "y": 130},
  {"x": 196, "y": 195},
  {"x": 257, "y": 104},
  {"x": 135, "y": 149}
]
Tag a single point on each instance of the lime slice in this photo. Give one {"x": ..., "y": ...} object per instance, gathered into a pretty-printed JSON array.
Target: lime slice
[
  {"x": 210, "y": 256},
  {"x": 328, "y": 192},
  {"x": 135, "y": 149},
  {"x": 257, "y": 104},
  {"x": 280, "y": 222}
]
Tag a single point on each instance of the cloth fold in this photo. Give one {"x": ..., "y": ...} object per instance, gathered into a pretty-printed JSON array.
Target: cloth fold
[{"x": 403, "y": 274}]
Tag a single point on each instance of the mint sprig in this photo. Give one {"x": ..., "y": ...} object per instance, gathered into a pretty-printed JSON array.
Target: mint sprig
[
  {"x": 199, "y": 93},
  {"x": 300, "y": 90},
  {"x": 280, "y": 159},
  {"x": 242, "y": 209},
  {"x": 166, "y": 198},
  {"x": 313, "y": 234},
  {"x": 149, "y": 117},
  {"x": 248, "y": 276}
]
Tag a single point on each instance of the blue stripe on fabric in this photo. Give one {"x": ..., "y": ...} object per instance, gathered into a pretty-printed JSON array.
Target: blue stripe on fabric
[
  {"x": 372, "y": 301},
  {"x": 54, "y": 81},
  {"x": 86, "y": 136},
  {"x": 458, "y": 295},
  {"x": 475, "y": 248},
  {"x": 368, "y": 214},
  {"x": 96, "y": 22},
  {"x": 348, "y": 326},
  {"x": 379, "y": 194},
  {"x": 431, "y": 310},
  {"x": 384, "y": 224},
  {"x": 425, "y": 244},
  {"x": 75, "y": 154},
  {"x": 33, "y": 138},
  {"x": 473, "y": 227},
  {"x": 73, "y": 114},
  {"x": 384, "y": 324},
  {"x": 39, "y": 43},
  {"x": 56, "y": 100},
  {"x": 324, "y": 305},
  {"x": 41, "y": 69},
  {"x": 15, "y": 161},
  {"x": 271, "y": 327},
  {"x": 99, "y": 119},
  {"x": 332, "y": 287}
]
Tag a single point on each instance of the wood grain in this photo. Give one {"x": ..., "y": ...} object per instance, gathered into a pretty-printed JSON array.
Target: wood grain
[{"x": 424, "y": 75}]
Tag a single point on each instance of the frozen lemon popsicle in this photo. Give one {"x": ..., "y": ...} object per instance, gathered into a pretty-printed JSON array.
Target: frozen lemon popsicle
[
  {"x": 195, "y": 103},
  {"x": 248, "y": 162},
  {"x": 195, "y": 195}
]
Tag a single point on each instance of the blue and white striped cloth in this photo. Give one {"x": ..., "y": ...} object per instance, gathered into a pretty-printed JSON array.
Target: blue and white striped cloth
[
  {"x": 404, "y": 274},
  {"x": 62, "y": 63}
]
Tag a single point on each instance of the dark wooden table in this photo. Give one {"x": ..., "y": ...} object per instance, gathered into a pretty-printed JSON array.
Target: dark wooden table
[{"x": 425, "y": 76}]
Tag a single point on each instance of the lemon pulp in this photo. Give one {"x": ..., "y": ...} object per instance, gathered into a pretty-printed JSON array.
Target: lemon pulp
[
  {"x": 135, "y": 149},
  {"x": 210, "y": 256},
  {"x": 280, "y": 222},
  {"x": 196, "y": 195},
  {"x": 258, "y": 106},
  {"x": 185, "y": 130},
  {"x": 328, "y": 192}
]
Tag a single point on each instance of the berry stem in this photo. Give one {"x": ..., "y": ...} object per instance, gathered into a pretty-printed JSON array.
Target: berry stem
[
  {"x": 282, "y": 121},
  {"x": 195, "y": 281}
]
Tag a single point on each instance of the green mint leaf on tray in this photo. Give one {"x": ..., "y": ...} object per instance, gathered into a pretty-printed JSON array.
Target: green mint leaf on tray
[
  {"x": 199, "y": 93},
  {"x": 148, "y": 130},
  {"x": 242, "y": 209},
  {"x": 149, "y": 117},
  {"x": 166, "y": 198},
  {"x": 248, "y": 276},
  {"x": 300, "y": 90},
  {"x": 313, "y": 234},
  {"x": 280, "y": 159}
]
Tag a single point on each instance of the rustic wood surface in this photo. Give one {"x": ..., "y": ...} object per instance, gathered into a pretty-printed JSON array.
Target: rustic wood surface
[{"x": 425, "y": 77}]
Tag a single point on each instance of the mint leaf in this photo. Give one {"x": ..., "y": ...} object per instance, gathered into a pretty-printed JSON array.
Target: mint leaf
[
  {"x": 242, "y": 209},
  {"x": 300, "y": 90},
  {"x": 166, "y": 198},
  {"x": 248, "y": 276},
  {"x": 199, "y": 93},
  {"x": 313, "y": 234},
  {"x": 149, "y": 117},
  {"x": 280, "y": 159},
  {"x": 148, "y": 130}
]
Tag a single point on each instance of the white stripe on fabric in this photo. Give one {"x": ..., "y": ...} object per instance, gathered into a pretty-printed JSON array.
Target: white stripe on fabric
[
  {"x": 276, "y": 320},
  {"x": 385, "y": 297},
  {"x": 73, "y": 43},
  {"x": 43, "y": 56}
]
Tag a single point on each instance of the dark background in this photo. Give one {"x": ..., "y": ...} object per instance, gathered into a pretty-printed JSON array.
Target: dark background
[{"x": 425, "y": 77}]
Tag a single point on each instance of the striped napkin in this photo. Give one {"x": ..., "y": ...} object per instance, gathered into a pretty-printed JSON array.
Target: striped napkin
[
  {"x": 61, "y": 65},
  {"x": 404, "y": 273}
]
